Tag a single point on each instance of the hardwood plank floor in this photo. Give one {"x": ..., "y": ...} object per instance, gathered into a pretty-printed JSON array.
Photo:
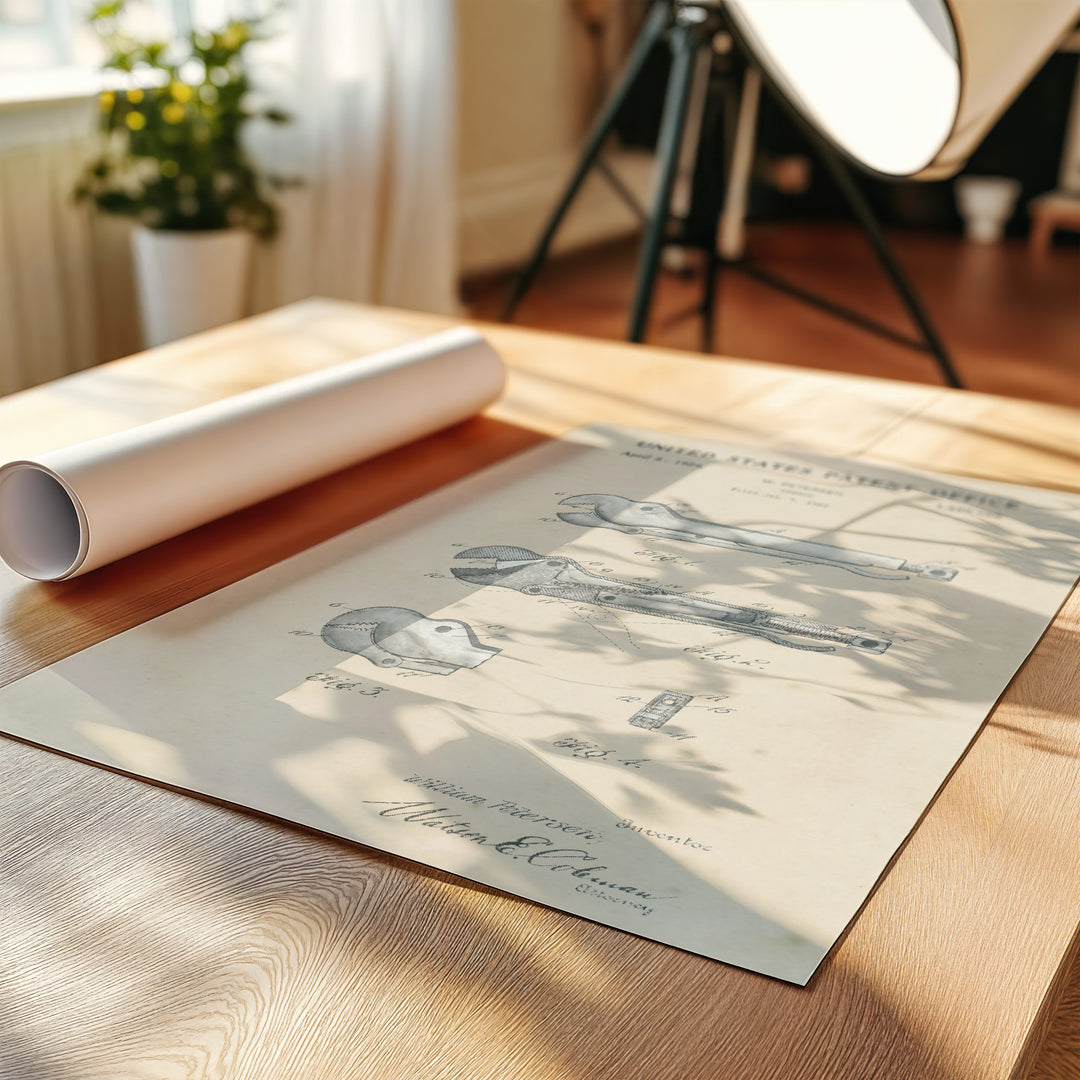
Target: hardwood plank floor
[{"x": 1010, "y": 320}]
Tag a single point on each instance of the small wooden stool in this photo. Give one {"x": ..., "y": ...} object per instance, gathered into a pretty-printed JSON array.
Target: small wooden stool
[{"x": 1054, "y": 210}]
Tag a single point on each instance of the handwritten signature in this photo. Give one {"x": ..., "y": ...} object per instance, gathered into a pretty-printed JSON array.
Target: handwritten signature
[{"x": 538, "y": 852}]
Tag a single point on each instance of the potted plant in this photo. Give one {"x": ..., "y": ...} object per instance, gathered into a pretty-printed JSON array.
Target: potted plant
[{"x": 171, "y": 158}]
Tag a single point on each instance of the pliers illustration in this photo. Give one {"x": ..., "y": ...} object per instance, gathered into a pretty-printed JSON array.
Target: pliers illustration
[
  {"x": 557, "y": 576},
  {"x": 658, "y": 519}
]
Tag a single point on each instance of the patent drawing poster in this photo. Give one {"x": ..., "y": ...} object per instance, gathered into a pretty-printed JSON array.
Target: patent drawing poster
[{"x": 696, "y": 692}]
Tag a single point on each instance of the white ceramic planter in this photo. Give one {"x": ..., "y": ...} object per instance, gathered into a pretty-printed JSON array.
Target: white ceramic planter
[{"x": 189, "y": 281}]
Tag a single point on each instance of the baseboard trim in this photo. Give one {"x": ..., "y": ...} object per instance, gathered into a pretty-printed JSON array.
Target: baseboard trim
[{"x": 503, "y": 209}]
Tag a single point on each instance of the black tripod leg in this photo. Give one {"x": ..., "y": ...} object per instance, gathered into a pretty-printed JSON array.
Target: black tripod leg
[
  {"x": 652, "y": 31},
  {"x": 865, "y": 216},
  {"x": 685, "y": 38},
  {"x": 709, "y": 289},
  {"x": 720, "y": 146}
]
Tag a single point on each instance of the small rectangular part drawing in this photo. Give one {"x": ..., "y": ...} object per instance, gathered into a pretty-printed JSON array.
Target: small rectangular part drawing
[{"x": 661, "y": 709}]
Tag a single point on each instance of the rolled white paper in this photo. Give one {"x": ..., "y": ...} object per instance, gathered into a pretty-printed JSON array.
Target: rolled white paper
[{"x": 69, "y": 511}]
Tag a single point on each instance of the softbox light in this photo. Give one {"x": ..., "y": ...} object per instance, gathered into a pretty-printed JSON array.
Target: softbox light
[{"x": 906, "y": 88}]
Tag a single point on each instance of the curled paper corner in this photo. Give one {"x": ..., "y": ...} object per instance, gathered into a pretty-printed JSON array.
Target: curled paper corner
[{"x": 44, "y": 533}]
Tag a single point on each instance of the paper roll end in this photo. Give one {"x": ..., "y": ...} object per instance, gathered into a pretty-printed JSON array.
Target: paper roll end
[{"x": 42, "y": 530}]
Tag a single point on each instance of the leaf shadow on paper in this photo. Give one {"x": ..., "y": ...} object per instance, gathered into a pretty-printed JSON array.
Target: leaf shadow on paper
[
  {"x": 545, "y": 1010},
  {"x": 244, "y": 764},
  {"x": 226, "y": 918}
]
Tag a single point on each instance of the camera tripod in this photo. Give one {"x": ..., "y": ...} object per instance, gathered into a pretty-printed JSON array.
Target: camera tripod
[{"x": 690, "y": 27}]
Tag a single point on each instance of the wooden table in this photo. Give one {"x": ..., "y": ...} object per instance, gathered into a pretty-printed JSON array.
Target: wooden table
[{"x": 149, "y": 934}]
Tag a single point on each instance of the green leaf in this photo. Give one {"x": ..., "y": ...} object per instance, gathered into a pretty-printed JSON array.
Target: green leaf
[{"x": 209, "y": 181}]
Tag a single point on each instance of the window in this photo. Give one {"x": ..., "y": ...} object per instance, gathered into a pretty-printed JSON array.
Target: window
[{"x": 47, "y": 50}]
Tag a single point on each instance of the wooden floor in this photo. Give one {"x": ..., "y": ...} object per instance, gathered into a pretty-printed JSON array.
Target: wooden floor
[{"x": 1010, "y": 321}]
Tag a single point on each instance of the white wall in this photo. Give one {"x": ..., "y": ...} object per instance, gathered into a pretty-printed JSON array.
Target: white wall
[{"x": 527, "y": 89}]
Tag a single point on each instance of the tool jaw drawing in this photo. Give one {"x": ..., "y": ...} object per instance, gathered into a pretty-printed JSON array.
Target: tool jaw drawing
[
  {"x": 660, "y": 520},
  {"x": 397, "y": 637}
]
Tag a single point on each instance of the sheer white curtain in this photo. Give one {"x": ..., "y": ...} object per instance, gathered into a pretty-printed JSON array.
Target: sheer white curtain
[
  {"x": 47, "y": 298},
  {"x": 372, "y": 84},
  {"x": 373, "y": 144}
]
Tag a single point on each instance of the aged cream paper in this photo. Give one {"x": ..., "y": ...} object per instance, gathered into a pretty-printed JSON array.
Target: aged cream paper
[{"x": 696, "y": 692}]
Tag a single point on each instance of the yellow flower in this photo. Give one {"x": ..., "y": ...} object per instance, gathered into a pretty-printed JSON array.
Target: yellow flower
[
  {"x": 135, "y": 96},
  {"x": 180, "y": 91},
  {"x": 234, "y": 36},
  {"x": 172, "y": 113},
  {"x": 135, "y": 121},
  {"x": 169, "y": 169},
  {"x": 106, "y": 100}
]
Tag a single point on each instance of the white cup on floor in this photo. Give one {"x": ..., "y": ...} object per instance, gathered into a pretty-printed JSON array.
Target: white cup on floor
[{"x": 986, "y": 203}]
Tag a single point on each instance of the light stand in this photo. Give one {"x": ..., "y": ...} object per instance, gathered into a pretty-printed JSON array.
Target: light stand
[{"x": 690, "y": 26}]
